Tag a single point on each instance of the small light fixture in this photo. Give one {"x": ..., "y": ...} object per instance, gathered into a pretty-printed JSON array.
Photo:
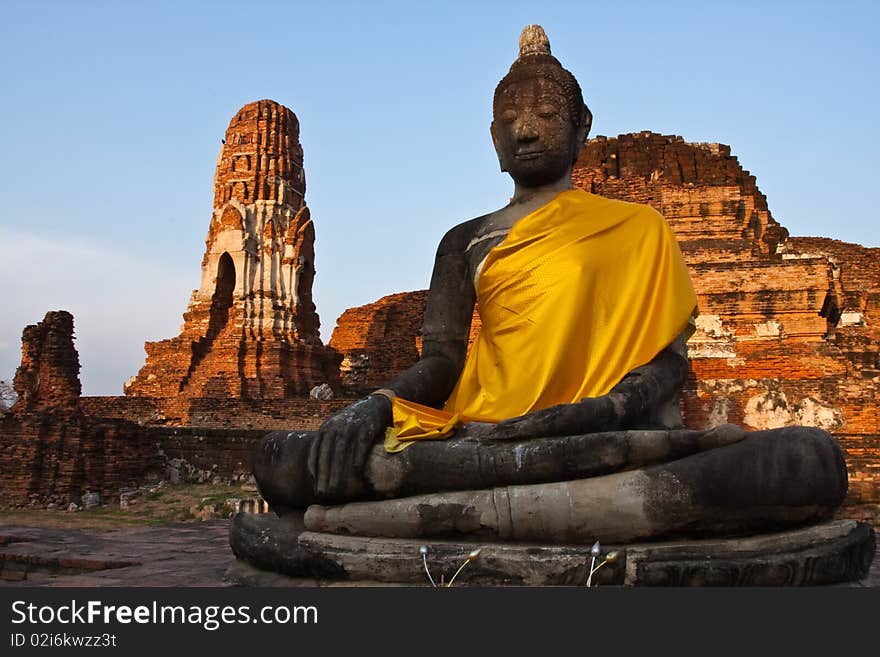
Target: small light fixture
[
  {"x": 424, "y": 552},
  {"x": 612, "y": 558},
  {"x": 472, "y": 556}
]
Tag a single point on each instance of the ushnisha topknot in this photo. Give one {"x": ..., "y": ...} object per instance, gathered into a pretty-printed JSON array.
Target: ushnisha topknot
[
  {"x": 533, "y": 41},
  {"x": 535, "y": 61}
]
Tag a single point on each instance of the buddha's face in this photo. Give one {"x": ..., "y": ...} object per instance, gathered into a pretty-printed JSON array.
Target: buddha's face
[{"x": 533, "y": 133}]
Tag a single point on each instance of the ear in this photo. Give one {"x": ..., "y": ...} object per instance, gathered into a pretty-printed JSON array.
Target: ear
[
  {"x": 582, "y": 132},
  {"x": 495, "y": 143}
]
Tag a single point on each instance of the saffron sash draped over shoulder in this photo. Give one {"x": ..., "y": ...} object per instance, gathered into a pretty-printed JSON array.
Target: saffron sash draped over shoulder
[{"x": 580, "y": 292}]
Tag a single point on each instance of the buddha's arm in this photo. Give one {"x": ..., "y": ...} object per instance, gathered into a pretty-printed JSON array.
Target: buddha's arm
[
  {"x": 343, "y": 442},
  {"x": 445, "y": 328},
  {"x": 633, "y": 403}
]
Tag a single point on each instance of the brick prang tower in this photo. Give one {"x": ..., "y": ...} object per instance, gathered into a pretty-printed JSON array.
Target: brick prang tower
[{"x": 251, "y": 329}]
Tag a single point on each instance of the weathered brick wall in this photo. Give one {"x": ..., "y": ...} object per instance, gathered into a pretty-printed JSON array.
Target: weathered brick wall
[
  {"x": 56, "y": 446},
  {"x": 854, "y": 298},
  {"x": 56, "y": 456},
  {"x": 771, "y": 349},
  {"x": 140, "y": 410},
  {"x": 300, "y": 413},
  {"x": 269, "y": 414},
  {"x": 378, "y": 339},
  {"x": 198, "y": 454},
  {"x": 701, "y": 189},
  {"x": 50, "y": 451},
  {"x": 381, "y": 339},
  {"x": 48, "y": 376}
]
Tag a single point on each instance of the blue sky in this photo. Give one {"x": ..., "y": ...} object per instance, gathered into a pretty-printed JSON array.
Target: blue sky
[{"x": 113, "y": 114}]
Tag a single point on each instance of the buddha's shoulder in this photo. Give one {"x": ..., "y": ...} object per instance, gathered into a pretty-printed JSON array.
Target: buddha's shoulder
[
  {"x": 458, "y": 238},
  {"x": 604, "y": 204}
]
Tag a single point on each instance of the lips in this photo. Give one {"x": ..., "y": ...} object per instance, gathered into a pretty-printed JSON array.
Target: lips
[{"x": 528, "y": 155}]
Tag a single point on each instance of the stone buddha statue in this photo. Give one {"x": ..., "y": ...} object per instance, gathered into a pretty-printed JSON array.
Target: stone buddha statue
[{"x": 561, "y": 425}]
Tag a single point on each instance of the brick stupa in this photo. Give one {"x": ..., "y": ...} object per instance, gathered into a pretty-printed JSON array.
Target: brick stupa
[{"x": 251, "y": 330}]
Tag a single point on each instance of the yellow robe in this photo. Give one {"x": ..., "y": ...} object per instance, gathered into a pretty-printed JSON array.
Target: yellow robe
[{"x": 580, "y": 292}]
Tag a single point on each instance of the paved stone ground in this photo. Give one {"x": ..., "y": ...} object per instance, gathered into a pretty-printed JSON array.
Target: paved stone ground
[{"x": 182, "y": 554}]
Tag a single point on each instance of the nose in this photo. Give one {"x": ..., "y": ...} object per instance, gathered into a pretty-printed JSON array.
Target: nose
[{"x": 524, "y": 129}]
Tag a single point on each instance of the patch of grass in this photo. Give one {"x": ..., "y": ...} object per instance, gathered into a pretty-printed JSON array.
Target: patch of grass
[
  {"x": 221, "y": 496},
  {"x": 169, "y": 504}
]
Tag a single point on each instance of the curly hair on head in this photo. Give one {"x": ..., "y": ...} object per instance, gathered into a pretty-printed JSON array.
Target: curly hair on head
[{"x": 535, "y": 61}]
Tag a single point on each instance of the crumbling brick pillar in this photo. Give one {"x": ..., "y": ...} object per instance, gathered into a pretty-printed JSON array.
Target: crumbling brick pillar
[{"x": 48, "y": 376}]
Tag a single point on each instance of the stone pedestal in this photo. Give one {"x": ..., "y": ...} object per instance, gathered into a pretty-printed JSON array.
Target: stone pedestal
[{"x": 278, "y": 551}]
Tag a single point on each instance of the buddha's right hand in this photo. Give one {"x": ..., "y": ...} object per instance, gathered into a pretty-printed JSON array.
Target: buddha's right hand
[
  {"x": 587, "y": 416},
  {"x": 343, "y": 442}
]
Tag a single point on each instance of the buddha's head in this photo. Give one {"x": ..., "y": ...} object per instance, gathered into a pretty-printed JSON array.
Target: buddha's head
[{"x": 540, "y": 121}]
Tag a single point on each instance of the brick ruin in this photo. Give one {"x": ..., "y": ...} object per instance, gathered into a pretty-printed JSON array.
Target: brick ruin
[
  {"x": 787, "y": 332},
  {"x": 56, "y": 446},
  {"x": 247, "y": 355},
  {"x": 250, "y": 330},
  {"x": 378, "y": 339},
  {"x": 789, "y": 328},
  {"x": 48, "y": 376},
  {"x": 50, "y": 450}
]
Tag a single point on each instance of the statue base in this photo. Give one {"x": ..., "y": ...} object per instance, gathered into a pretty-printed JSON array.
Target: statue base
[{"x": 278, "y": 551}]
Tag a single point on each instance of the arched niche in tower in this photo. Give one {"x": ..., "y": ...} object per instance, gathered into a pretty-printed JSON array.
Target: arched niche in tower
[
  {"x": 223, "y": 293},
  {"x": 225, "y": 280}
]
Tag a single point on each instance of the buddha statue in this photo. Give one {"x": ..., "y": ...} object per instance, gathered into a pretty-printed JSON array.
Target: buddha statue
[{"x": 561, "y": 424}]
